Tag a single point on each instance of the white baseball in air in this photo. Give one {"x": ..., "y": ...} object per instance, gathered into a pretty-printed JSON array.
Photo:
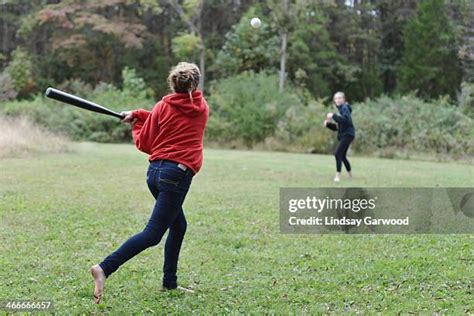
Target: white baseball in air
[{"x": 255, "y": 22}]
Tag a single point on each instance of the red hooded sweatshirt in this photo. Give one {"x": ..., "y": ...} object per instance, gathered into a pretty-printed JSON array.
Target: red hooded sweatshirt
[{"x": 173, "y": 129}]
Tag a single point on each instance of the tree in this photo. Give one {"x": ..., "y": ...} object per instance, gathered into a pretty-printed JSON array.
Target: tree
[
  {"x": 355, "y": 31},
  {"x": 85, "y": 39},
  {"x": 466, "y": 51},
  {"x": 191, "y": 14},
  {"x": 286, "y": 16},
  {"x": 312, "y": 55},
  {"x": 393, "y": 18},
  {"x": 430, "y": 63},
  {"x": 247, "y": 49}
]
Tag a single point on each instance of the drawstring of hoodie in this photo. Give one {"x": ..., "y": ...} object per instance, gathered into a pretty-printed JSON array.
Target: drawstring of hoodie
[{"x": 190, "y": 95}]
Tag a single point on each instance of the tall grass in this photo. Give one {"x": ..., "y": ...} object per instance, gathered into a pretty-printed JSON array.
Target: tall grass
[{"x": 21, "y": 137}]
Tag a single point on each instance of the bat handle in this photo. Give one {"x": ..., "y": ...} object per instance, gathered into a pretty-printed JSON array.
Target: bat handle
[{"x": 120, "y": 116}]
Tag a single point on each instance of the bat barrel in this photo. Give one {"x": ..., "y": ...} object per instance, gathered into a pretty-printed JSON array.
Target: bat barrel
[{"x": 79, "y": 102}]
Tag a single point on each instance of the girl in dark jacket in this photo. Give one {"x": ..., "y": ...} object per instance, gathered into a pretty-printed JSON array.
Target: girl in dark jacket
[{"x": 345, "y": 132}]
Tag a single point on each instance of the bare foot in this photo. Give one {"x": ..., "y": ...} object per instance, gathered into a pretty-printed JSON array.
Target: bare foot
[
  {"x": 99, "y": 279},
  {"x": 350, "y": 174},
  {"x": 185, "y": 289}
]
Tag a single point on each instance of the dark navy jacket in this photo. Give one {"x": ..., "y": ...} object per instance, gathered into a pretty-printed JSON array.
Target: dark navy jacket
[{"x": 344, "y": 121}]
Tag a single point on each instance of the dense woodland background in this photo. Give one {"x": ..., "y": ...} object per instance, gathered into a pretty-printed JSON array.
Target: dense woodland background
[{"x": 407, "y": 66}]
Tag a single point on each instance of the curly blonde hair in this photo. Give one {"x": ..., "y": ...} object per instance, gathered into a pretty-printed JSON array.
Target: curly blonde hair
[{"x": 184, "y": 78}]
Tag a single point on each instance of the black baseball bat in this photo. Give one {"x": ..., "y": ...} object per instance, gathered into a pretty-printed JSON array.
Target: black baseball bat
[{"x": 79, "y": 102}]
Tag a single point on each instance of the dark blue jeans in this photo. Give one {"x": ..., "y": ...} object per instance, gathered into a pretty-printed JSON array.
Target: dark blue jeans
[
  {"x": 341, "y": 153},
  {"x": 169, "y": 184}
]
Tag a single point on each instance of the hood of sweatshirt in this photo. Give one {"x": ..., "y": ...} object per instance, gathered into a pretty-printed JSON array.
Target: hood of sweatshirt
[
  {"x": 345, "y": 104},
  {"x": 183, "y": 102}
]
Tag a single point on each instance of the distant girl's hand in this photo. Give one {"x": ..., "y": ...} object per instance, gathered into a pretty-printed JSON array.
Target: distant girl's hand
[{"x": 329, "y": 116}]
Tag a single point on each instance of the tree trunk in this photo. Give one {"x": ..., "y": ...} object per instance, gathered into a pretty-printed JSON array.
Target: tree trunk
[
  {"x": 202, "y": 53},
  {"x": 5, "y": 28},
  {"x": 468, "y": 49},
  {"x": 202, "y": 61},
  {"x": 194, "y": 28},
  {"x": 284, "y": 45}
]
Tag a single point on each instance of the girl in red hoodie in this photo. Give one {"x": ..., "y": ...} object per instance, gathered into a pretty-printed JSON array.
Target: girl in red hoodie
[{"x": 171, "y": 134}]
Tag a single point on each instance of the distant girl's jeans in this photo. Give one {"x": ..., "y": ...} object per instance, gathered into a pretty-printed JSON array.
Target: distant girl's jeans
[
  {"x": 169, "y": 184},
  {"x": 341, "y": 153}
]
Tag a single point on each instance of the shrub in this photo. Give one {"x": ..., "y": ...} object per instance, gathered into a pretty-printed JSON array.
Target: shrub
[
  {"x": 76, "y": 87},
  {"x": 133, "y": 85},
  {"x": 21, "y": 71},
  {"x": 466, "y": 99},
  {"x": 301, "y": 129},
  {"x": 411, "y": 124},
  {"x": 7, "y": 88},
  {"x": 76, "y": 123},
  {"x": 247, "y": 107}
]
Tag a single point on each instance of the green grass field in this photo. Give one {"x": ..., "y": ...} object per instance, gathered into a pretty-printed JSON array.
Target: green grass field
[{"x": 62, "y": 213}]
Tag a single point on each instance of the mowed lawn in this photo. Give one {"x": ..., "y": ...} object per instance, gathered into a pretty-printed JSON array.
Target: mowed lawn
[{"x": 62, "y": 213}]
